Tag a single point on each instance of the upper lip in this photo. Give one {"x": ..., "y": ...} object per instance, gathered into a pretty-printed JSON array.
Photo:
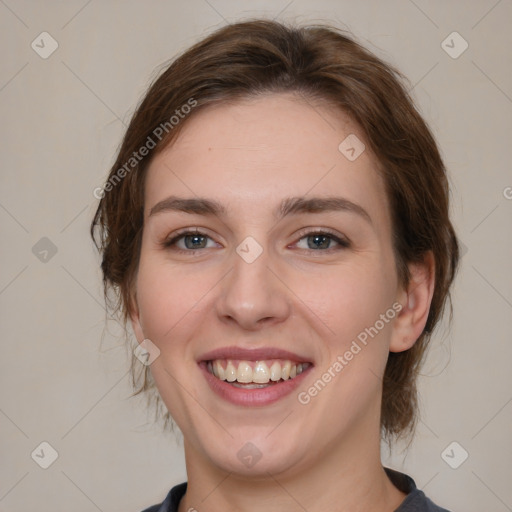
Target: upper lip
[{"x": 254, "y": 354}]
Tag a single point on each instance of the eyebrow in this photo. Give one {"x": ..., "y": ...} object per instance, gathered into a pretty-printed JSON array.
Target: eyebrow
[{"x": 289, "y": 206}]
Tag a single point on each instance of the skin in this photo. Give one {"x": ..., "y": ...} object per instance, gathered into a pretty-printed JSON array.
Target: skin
[{"x": 249, "y": 156}]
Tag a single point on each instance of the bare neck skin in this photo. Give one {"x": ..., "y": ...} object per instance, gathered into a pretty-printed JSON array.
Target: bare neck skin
[{"x": 347, "y": 477}]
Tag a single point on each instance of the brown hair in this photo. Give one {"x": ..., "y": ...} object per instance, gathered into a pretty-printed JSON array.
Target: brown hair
[{"x": 319, "y": 63}]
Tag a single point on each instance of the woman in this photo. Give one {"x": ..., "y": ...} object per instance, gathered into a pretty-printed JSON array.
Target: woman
[{"x": 276, "y": 230}]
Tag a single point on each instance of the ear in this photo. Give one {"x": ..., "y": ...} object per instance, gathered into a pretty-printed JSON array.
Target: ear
[
  {"x": 415, "y": 301},
  {"x": 135, "y": 319}
]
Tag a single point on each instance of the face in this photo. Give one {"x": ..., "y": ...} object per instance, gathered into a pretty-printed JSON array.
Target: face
[{"x": 267, "y": 258}]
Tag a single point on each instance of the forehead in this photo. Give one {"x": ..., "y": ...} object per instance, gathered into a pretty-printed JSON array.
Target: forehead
[{"x": 259, "y": 150}]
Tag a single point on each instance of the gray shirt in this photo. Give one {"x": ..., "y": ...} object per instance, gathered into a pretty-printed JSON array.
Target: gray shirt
[{"x": 416, "y": 501}]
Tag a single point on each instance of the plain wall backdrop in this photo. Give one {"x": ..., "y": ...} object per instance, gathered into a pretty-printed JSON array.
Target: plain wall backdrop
[{"x": 64, "y": 374}]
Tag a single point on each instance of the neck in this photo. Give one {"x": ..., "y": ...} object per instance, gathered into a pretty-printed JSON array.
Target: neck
[{"x": 347, "y": 476}]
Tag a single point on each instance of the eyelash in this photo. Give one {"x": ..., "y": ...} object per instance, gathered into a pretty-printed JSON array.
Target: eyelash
[{"x": 343, "y": 243}]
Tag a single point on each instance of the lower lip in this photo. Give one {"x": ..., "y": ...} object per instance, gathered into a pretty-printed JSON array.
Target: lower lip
[{"x": 251, "y": 397}]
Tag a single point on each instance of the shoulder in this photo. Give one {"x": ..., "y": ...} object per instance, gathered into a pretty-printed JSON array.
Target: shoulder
[
  {"x": 416, "y": 501},
  {"x": 172, "y": 500}
]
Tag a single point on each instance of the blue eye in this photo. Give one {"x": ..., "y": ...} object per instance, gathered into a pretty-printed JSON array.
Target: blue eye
[
  {"x": 196, "y": 241},
  {"x": 321, "y": 240},
  {"x": 192, "y": 240},
  {"x": 317, "y": 241}
]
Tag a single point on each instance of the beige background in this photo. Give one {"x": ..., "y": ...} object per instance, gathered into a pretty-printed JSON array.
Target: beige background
[{"x": 64, "y": 377}]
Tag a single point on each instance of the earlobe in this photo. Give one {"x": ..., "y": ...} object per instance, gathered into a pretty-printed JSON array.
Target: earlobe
[{"x": 416, "y": 300}]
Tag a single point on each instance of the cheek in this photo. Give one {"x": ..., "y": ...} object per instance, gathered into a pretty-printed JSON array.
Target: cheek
[
  {"x": 165, "y": 298},
  {"x": 169, "y": 302},
  {"x": 348, "y": 299}
]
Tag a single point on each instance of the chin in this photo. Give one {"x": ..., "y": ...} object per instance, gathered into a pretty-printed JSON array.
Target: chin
[{"x": 256, "y": 455}]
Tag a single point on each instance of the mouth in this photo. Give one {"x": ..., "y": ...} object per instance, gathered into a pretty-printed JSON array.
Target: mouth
[
  {"x": 253, "y": 377},
  {"x": 255, "y": 374}
]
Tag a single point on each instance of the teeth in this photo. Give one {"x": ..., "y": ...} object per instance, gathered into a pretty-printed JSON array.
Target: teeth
[
  {"x": 261, "y": 373},
  {"x": 249, "y": 386},
  {"x": 257, "y": 372},
  {"x": 231, "y": 372},
  {"x": 285, "y": 370},
  {"x": 275, "y": 372},
  {"x": 218, "y": 371},
  {"x": 244, "y": 374}
]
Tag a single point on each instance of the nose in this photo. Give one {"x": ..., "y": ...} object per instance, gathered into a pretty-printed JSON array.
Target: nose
[{"x": 252, "y": 296}]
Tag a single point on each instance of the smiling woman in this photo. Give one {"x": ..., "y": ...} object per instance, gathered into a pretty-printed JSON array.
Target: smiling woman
[{"x": 284, "y": 253}]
